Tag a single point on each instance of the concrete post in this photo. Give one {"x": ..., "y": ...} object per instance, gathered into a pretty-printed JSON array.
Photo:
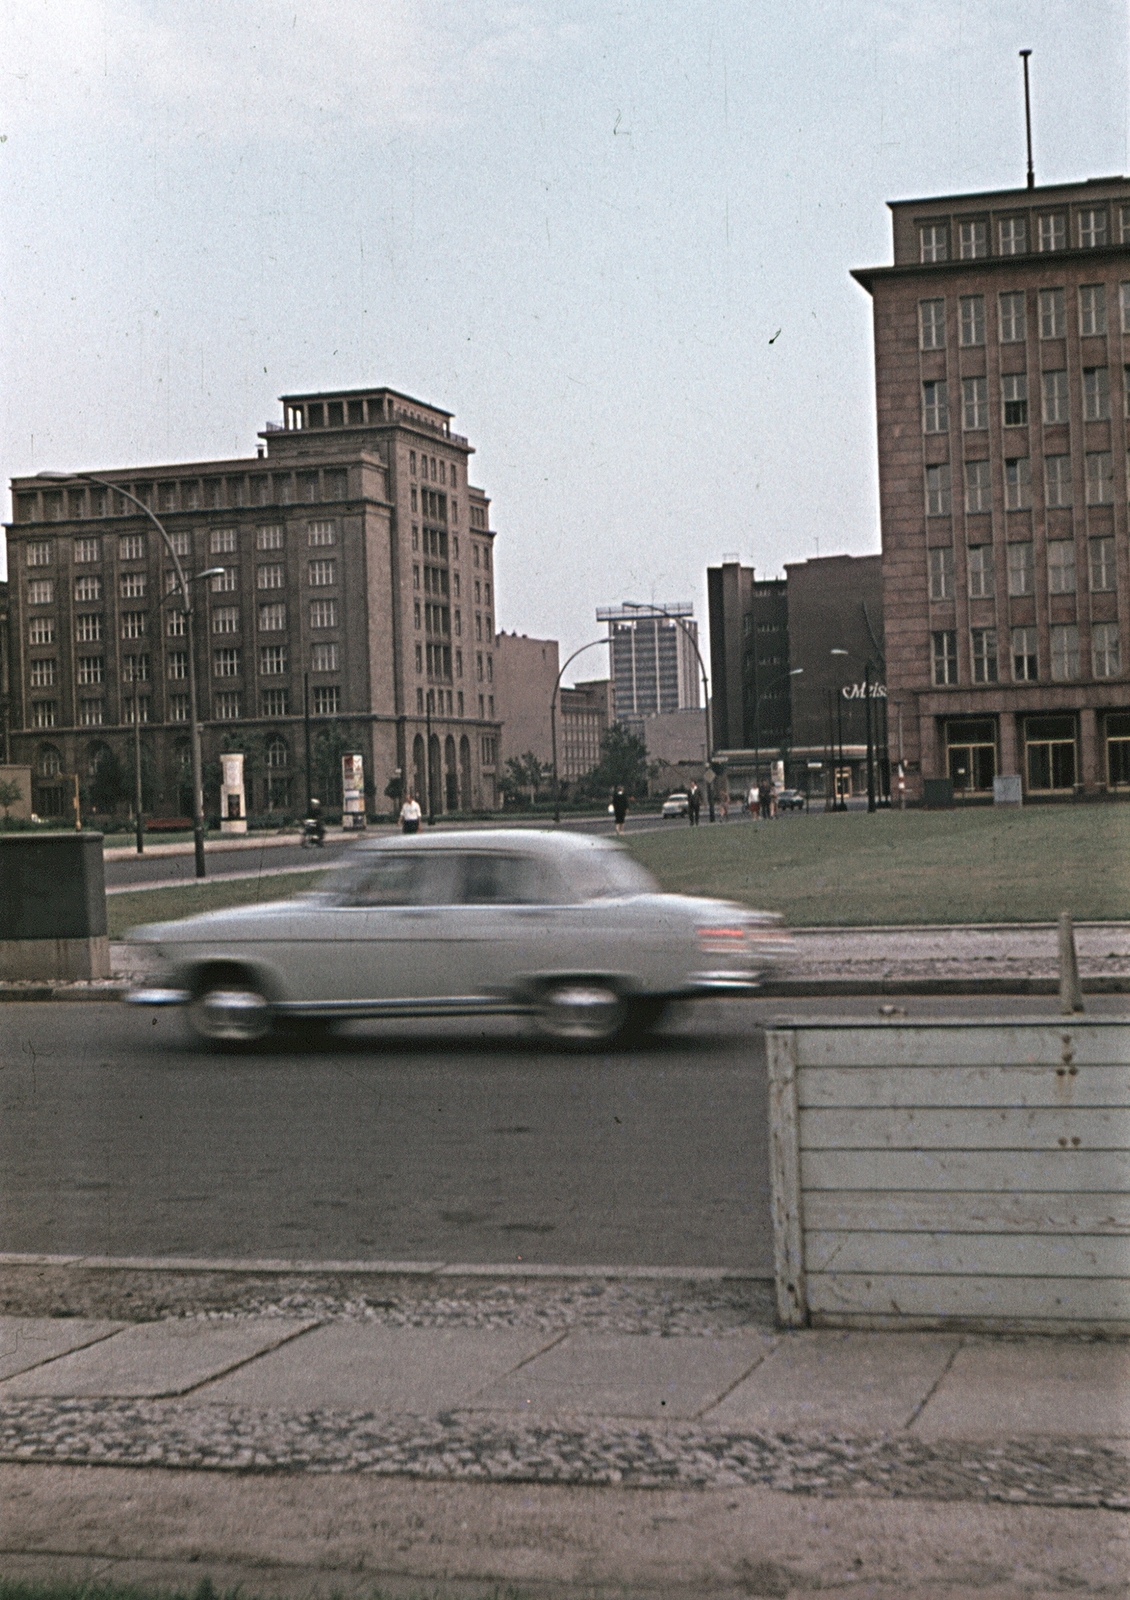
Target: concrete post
[{"x": 1070, "y": 992}]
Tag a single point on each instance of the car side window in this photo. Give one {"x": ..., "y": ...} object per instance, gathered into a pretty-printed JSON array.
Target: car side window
[
  {"x": 398, "y": 880},
  {"x": 498, "y": 880}
]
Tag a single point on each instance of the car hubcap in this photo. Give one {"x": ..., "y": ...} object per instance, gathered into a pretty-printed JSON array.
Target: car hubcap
[
  {"x": 583, "y": 1011},
  {"x": 236, "y": 1014}
]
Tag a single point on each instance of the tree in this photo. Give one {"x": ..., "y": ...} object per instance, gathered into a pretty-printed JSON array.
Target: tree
[
  {"x": 623, "y": 761},
  {"x": 109, "y": 783},
  {"x": 525, "y": 772},
  {"x": 327, "y": 748},
  {"x": 10, "y": 795}
]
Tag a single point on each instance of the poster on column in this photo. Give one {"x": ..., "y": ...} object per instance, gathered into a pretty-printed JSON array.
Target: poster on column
[{"x": 353, "y": 791}]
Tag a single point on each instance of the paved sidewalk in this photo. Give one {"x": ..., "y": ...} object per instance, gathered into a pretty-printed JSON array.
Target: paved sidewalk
[{"x": 486, "y": 1392}]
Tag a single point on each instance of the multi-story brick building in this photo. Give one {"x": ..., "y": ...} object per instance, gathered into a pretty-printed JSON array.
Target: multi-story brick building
[
  {"x": 582, "y": 721},
  {"x": 357, "y": 582},
  {"x": 1002, "y": 356},
  {"x": 653, "y": 659}
]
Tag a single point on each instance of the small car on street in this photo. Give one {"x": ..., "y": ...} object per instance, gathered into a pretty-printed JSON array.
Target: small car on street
[
  {"x": 564, "y": 927},
  {"x": 790, "y": 800},
  {"x": 676, "y": 805}
]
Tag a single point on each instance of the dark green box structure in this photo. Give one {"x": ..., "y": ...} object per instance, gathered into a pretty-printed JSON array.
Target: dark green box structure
[{"x": 52, "y": 907}]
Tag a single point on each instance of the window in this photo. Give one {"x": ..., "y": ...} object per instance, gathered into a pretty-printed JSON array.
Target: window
[
  {"x": 1124, "y": 304},
  {"x": 272, "y": 618},
  {"x": 944, "y": 651},
  {"x": 416, "y": 613},
  {"x": 419, "y": 658},
  {"x": 223, "y": 541},
  {"x": 41, "y": 591},
  {"x": 227, "y": 705},
  {"x": 1065, "y": 652},
  {"x": 336, "y": 483},
  {"x": 1024, "y": 655},
  {"x": 323, "y": 658},
  {"x": 135, "y": 624},
  {"x": 931, "y": 336},
  {"x": 972, "y": 319},
  {"x": 319, "y": 534},
  {"x": 412, "y": 462},
  {"x": 131, "y": 547},
  {"x": 275, "y": 703},
  {"x": 459, "y": 668},
  {"x": 1013, "y": 328},
  {"x": 1050, "y": 743},
  {"x": 1053, "y": 313},
  {"x": 982, "y": 579},
  {"x": 974, "y": 404},
  {"x": 1052, "y": 232},
  {"x": 135, "y": 669},
  {"x": 941, "y": 574},
  {"x": 935, "y": 409},
  {"x": 327, "y": 701},
  {"x": 984, "y": 642},
  {"x": 272, "y": 660},
  {"x": 1021, "y": 568},
  {"x": 978, "y": 486},
  {"x": 490, "y": 669},
  {"x": 1092, "y": 228},
  {"x": 1092, "y": 309},
  {"x": 91, "y": 669},
  {"x": 932, "y": 242},
  {"x": 43, "y": 714},
  {"x": 225, "y": 619},
  {"x": 278, "y": 755},
  {"x": 133, "y": 585},
  {"x": 1099, "y": 466},
  {"x": 90, "y": 713},
  {"x": 182, "y": 543},
  {"x": 87, "y": 550},
  {"x": 489, "y": 750},
  {"x": 1017, "y": 483},
  {"x": 974, "y": 240},
  {"x": 479, "y": 666},
  {"x": 270, "y": 577},
  {"x": 43, "y": 674},
  {"x": 1126, "y": 391},
  {"x": 308, "y": 487},
  {"x": 174, "y": 625},
  {"x": 1013, "y": 236},
  {"x": 269, "y": 538},
  {"x": 39, "y": 554},
  {"x": 1096, "y": 394},
  {"x": 1103, "y": 571},
  {"x": 1104, "y": 649},
  {"x": 1061, "y": 566},
  {"x": 41, "y": 630},
  {"x": 225, "y": 663},
  {"x": 486, "y": 557},
  {"x": 176, "y": 665},
  {"x": 322, "y": 573},
  {"x": 938, "y": 490},
  {"x": 88, "y": 628},
  {"x": 226, "y": 582},
  {"x": 1014, "y": 399},
  {"x": 323, "y": 613},
  {"x": 1057, "y": 478},
  {"x": 1055, "y": 397}
]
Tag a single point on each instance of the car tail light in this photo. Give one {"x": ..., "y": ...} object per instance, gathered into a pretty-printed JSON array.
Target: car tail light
[{"x": 721, "y": 939}]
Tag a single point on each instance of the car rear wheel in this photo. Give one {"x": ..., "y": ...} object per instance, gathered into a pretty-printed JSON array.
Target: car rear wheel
[
  {"x": 584, "y": 1012},
  {"x": 227, "y": 1009}
]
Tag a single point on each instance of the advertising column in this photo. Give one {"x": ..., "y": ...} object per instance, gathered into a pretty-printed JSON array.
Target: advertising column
[
  {"x": 353, "y": 791},
  {"x": 233, "y": 800}
]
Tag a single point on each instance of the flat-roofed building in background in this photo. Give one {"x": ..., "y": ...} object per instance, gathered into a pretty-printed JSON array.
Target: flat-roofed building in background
[
  {"x": 1002, "y": 369},
  {"x": 582, "y": 722},
  {"x": 652, "y": 659},
  {"x": 525, "y": 673},
  {"x": 357, "y": 570}
]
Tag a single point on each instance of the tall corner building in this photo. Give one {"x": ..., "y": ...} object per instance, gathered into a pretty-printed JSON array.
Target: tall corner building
[
  {"x": 357, "y": 583},
  {"x": 653, "y": 659},
  {"x": 1002, "y": 370}
]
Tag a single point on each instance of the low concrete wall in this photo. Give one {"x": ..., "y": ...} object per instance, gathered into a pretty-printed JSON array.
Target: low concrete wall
[{"x": 952, "y": 1173}]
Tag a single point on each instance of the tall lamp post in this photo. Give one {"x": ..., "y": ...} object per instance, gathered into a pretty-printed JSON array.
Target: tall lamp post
[
  {"x": 186, "y": 598},
  {"x": 841, "y": 802},
  {"x": 592, "y": 644},
  {"x": 794, "y": 672}
]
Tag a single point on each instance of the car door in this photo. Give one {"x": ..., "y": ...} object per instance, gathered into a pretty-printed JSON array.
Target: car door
[{"x": 503, "y": 919}]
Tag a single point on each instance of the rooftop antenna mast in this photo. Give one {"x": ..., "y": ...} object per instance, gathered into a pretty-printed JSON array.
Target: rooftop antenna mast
[{"x": 1028, "y": 120}]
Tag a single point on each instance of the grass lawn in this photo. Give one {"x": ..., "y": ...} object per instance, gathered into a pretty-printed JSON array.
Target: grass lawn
[
  {"x": 186, "y": 899},
  {"x": 982, "y": 865}
]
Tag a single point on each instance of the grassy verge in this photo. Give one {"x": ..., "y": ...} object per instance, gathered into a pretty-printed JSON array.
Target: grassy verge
[
  {"x": 125, "y": 911},
  {"x": 908, "y": 867}
]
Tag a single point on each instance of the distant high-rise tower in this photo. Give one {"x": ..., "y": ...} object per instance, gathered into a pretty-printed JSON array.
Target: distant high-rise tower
[{"x": 653, "y": 662}]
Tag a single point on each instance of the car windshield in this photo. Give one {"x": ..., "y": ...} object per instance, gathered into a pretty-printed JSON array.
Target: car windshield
[
  {"x": 392, "y": 878},
  {"x": 607, "y": 875},
  {"x": 483, "y": 877}
]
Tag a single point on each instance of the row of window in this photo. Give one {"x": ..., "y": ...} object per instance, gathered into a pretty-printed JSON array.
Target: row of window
[
  {"x": 273, "y": 661},
  {"x": 431, "y": 702},
  {"x": 980, "y": 565},
  {"x": 439, "y": 661},
  {"x": 1023, "y": 653},
  {"x": 132, "y": 546},
  {"x": 1049, "y": 744},
  {"x": 89, "y": 625},
  {"x": 187, "y": 494},
  {"x": 321, "y": 574},
  {"x": 1054, "y": 398},
  {"x": 1012, "y": 316},
  {"x": 434, "y": 580},
  {"x": 437, "y": 469},
  {"x": 438, "y": 619},
  {"x": 1098, "y": 483},
  {"x": 1095, "y": 227},
  {"x": 227, "y": 706}
]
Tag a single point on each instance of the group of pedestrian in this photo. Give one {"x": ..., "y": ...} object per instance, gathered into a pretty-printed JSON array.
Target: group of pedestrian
[{"x": 763, "y": 801}]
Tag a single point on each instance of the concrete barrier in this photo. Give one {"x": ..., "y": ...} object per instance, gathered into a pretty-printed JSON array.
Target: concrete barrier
[
  {"x": 52, "y": 907},
  {"x": 952, "y": 1173}
]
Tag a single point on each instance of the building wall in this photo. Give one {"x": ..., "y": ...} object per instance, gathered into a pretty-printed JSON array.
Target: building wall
[
  {"x": 525, "y": 672},
  {"x": 583, "y": 719},
  {"x": 955, "y": 664},
  {"x": 749, "y": 655},
  {"x": 653, "y": 663},
  {"x": 835, "y": 603}
]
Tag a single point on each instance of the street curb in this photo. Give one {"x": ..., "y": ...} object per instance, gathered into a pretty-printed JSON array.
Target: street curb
[{"x": 277, "y": 1267}]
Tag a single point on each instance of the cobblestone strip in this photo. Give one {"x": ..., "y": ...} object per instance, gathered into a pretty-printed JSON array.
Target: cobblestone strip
[{"x": 1060, "y": 1472}]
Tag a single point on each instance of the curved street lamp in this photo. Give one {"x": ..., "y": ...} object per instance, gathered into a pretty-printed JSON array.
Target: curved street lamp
[
  {"x": 657, "y": 614},
  {"x": 186, "y": 599},
  {"x": 592, "y": 644}
]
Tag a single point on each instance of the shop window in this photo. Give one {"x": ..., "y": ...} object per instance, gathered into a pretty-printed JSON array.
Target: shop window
[
  {"x": 1118, "y": 749},
  {"x": 971, "y": 753},
  {"x": 1050, "y": 749}
]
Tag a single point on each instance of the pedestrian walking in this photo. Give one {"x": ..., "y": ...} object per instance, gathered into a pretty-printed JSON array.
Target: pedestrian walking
[
  {"x": 772, "y": 800},
  {"x": 694, "y": 805},
  {"x": 763, "y": 800},
  {"x": 619, "y": 806},
  {"x": 410, "y": 815},
  {"x": 751, "y": 800}
]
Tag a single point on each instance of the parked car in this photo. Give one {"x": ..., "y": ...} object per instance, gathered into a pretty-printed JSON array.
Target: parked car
[
  {"x": 790, "y": 800},
  {"x": 676, "y": 805},
  {"x": 567, "y": 928}
]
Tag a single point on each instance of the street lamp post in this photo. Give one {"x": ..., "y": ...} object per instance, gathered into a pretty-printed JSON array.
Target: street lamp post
[
  {"x": 657, "y": 614},
  {"x": 429, "y": 702},
  {"x": 592, "y": 644},
  {"x": 193, "y": 706},
  {"x": 794, "y": 672},
  {"x": 841, "y": 803}
]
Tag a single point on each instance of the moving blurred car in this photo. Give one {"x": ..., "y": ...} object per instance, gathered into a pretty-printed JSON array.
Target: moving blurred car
[
  {"x": 565, "y": 927},
  {"x": 676, "y": 805},
  {"x": 790, "y": 800}
]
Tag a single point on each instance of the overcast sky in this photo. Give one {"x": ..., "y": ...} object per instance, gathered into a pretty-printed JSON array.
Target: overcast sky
[{"x": 613, "y": 238}]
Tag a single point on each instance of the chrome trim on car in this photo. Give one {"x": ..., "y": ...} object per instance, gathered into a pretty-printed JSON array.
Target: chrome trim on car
[
  {"x": 157, "y": 997},
  {"x": 442, "y": 1006}
]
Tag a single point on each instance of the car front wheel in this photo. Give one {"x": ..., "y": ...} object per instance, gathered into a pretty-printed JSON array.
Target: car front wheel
[
  {"x": 584, "y": 1012},
  {"x": 227, "y": 1009}
]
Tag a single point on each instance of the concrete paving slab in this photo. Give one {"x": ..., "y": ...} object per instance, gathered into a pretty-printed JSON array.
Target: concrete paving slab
[
  {"x": 848, "y": 1383},
  {"x": 27, "y": 1342},
  {"x": 152, "y": 1358},
  {"x": 1052, "y": 1386},
  {"x": 351, "y": 1366},
  {"x": 626, "y": 1375}
]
